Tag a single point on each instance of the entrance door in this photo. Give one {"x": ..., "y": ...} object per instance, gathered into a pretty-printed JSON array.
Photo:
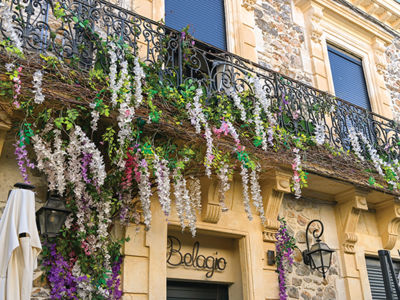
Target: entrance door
[{"x": 179, "y": 290}]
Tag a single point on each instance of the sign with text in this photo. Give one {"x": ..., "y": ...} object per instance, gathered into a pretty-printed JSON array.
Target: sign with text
[{"x": 175, "y": 257}]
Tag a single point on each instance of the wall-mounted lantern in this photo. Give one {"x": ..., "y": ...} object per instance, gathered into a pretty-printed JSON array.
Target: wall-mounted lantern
[
  {"x": 51, "y": 216},
  {"x": 319, "y": 256}
]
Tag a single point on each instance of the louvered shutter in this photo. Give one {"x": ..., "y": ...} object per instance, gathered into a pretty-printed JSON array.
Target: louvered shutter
[
  {"x": 206, "y": 19},
  {"x": 348, "y": 77},
  {"x": 180, "y": 290},
  {"x": 375, "y": 278}
]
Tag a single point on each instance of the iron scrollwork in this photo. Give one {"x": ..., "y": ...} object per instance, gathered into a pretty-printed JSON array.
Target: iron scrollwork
[{"x": 299, "y": 107}]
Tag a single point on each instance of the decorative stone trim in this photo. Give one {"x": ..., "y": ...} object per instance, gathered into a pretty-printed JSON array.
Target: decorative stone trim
[
  {"x": 388, "y": 216},
  {"x": 248, "y": 4},
  {"x": 273, "y": 191},
  {"x": 379, "y": 55},
  {"x": 350, "y": 205},
  {"x": 211, "y": 209},
  {"x": 212, "y": 213},
  {"x": 316, "y": 14}
]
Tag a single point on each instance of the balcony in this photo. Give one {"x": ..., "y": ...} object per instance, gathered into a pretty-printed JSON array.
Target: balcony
[{"x": 74, "y": 37}]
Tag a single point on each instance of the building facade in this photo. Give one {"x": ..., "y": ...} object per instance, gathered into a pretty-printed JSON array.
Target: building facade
[{"x": 347, "y": 48}]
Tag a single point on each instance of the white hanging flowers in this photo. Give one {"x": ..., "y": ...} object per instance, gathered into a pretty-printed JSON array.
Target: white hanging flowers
[
  {"x": 232, "y": 131},
  {"x": 245, "y": 191},
  {"x": 162, "y": 174},
  {"x": 113, "y": 72},
  {"x": 256, "y": 194},
  {"x": 196, "y": 111},
  {"x": 197, "y": 118},
  {"x": 7, "y": 22},
  {"x": 52, "y": 163},
  {"x": 145, "y": 192},
  {"x": 296, "y": 167},
  {"x": 97, "y": 166},
  {"x": 259, "y": 126},
  {"x": 37, "y": 85},
  {"x": 178, "y": 193},
  {"x": 95, "y": 117},
  {"x": 238, "y": 102},
  {"x": 376, "y": 160},
  {"x": 355, "y": 143},
  {"x": 58, "y": 158},
  {"x": 320, "y": 133},
  {"x": 224, "y": 185},
  {"x": 188, "y": 208},
  {"x": 187, "y": 202},
  {"x": 139, "y": 75},
  {"x": 264, "y": 102}
]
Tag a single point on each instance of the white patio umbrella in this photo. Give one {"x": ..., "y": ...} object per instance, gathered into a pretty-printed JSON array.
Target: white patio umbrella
[{"x": 18, "y": 255}]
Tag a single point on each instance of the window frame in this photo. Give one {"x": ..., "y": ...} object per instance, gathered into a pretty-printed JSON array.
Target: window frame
[
  {"x": 351, "y": 56},
  {"x": 356, "y": 47}
]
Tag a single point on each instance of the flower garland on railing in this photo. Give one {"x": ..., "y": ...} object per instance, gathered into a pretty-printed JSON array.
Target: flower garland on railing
[
  {"x": 285, "y": 245},
  {"x": 100, "y": 158}
]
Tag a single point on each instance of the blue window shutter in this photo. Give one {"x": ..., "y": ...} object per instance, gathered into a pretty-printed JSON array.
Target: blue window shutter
[
  {"x": 206, "y": 19},
  {"x": 348, "y": 77}
]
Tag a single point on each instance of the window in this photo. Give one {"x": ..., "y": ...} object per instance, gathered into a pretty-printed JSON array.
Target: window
[
  {"x": 348, "y": 77},
  {"x": 375, "y": 278},
  {"x": 206, "y": 19}
]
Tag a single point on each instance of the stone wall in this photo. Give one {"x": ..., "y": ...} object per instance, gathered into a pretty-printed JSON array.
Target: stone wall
[
  {"x": 392, "y": 76},
  {"x": 279, "y": 39},
  {"x": 302, "y": 282}
]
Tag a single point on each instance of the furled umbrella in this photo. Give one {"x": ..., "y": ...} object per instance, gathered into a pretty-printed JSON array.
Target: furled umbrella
[{"x": 20, "y": 244}]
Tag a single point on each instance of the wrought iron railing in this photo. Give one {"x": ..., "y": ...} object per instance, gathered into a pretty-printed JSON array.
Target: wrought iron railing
[{"x": 299, "y": 106}]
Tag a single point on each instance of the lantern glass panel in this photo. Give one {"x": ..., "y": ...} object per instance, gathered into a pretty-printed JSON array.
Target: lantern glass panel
[
  {"x": 316, "y": 256},
  {"x": 54, "y": 221},
  {"x": 42, "y": 221},
  {"x": 322, "y": 255}
]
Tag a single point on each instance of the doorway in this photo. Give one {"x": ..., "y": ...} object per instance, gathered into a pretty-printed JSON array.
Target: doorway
[{"x": 179, "y": 290}]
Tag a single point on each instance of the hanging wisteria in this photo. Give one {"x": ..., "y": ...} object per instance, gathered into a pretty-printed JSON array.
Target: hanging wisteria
[{"x": 108, "y": 155}]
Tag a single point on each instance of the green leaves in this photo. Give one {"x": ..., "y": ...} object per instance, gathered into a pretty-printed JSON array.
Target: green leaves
[{"x": 68, "y": 121}]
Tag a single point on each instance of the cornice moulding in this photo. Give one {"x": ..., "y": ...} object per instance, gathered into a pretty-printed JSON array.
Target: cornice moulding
[{"x": 349, "y": 15}]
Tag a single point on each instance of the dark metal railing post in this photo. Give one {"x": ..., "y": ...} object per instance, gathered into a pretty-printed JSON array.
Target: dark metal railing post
[
  {"x": 180, "y": 63},
  {"x": 388, "y": 272}
]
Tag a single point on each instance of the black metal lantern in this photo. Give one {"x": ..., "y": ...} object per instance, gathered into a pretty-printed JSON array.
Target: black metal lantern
[
  {"x": 51, "y": 216},
  {"x": 319, "y": 256}
]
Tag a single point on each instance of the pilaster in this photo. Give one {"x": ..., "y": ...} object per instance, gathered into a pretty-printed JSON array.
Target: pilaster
[
  {"x": 313, "y": 14},
  {"x": 274, "y": 188},
  {"x": 348, "y": 210}
]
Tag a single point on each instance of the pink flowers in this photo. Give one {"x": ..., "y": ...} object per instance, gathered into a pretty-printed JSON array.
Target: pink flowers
[
  {"x": 86, "y": 248},
  {"x": 224, "y": 129},
  {"x": 17, "y": 87}
]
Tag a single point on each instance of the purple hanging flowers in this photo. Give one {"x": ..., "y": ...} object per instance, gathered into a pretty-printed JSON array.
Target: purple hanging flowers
[
  {"x": 285, "y": 245},
  {"x": 22, "y": 158}
]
